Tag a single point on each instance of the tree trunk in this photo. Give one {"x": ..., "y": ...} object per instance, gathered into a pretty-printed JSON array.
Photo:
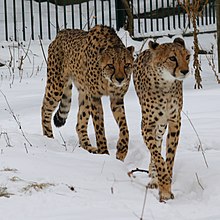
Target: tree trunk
[{"x": 130, "y": 21}]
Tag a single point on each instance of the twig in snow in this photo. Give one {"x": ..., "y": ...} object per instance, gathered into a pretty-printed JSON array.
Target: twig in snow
[
  {"x": 6, "y": 137},
  {"x": 200, "y": 143},
  {"x": 137, "y": 170},
  {"x": 28, "y": 48},
  {"x": 199, "y": 182},
  {"x": 41, "y": 45},
  {"x": 64, "y": 142},
  {"x": 15, "y": 118},
  {"x": 103, "y": 166},
  {"x": 145, "y": 199},
  {"x": 112, "y": 187},
  {"x": 25, "y": 146}
]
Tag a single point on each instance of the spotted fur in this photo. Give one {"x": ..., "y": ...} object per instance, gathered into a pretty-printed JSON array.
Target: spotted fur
[
  {"x": 158, "y": 75},
  {"x": 98, "y": 64}
]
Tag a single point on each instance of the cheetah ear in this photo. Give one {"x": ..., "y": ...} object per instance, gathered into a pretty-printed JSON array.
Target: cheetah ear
[
  {"x": 131, "y": 49},
  {"x": 179, "y": 41},
  {"x": 153, "y": 45}
]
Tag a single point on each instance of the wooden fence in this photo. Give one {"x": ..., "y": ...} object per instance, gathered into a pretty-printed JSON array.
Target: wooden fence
[{"x": 25, "y": 19}]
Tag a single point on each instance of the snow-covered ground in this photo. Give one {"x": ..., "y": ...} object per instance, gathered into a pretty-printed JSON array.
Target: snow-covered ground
[{"x": 43, "y": 178}]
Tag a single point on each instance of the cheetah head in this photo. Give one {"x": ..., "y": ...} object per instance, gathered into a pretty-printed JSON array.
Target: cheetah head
[
  {"x": 117, "y": 64},
  {"x": 171, "y": 59}
]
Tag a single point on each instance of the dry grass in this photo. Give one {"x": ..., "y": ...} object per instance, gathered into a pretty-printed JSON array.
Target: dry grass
[
  {"x": 4, "y": 192},
  {"x": 36, "y": 186}
]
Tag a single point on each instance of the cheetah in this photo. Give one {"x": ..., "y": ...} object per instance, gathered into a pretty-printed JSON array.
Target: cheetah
[
  {"x": 158, "y": 76},
  {"x": 98, "y": 64}
]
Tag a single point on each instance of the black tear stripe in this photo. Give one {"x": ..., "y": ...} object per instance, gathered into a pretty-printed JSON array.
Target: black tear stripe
[
  {"x": 111, "y": 78},
  {"x": 174, "y": 71}
]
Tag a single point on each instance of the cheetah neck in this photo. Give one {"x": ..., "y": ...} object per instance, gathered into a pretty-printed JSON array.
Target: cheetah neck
[{"x": 163, "y": 82}]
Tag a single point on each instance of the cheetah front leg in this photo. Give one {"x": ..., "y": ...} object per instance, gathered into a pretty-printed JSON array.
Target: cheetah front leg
[
  {"x": 171, "y": 144},
  {"x": 159, "y": 132},
  {"x": 82, "y": 122},
  {"x": 164, "y": 180},
  {"x": 117, "y": 107},
  {"x": 98, "y": 123}
]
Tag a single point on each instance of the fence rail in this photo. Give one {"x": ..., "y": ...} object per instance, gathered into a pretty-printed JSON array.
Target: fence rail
[{"x": 25, "y": 19}]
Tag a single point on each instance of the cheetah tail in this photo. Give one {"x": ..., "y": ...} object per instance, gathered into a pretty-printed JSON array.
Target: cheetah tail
[{"x": 64, "y": 107}]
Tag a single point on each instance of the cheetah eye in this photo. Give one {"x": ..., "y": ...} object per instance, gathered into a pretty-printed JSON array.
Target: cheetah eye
[
  {"x": 127, "y": 65},
  {"x": 187, "y": 57},
  {"x": 111, "y": 66},
  {"x": 173, "y": 58}
]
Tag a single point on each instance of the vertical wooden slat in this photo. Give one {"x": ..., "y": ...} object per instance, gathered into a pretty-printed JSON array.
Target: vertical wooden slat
[
  {"x": 103, "y": 16},
  {"x": 168, "y": 18},
  {"x": 15, "y": 21},
  {"x": 80, "y": 15},
  {"x": 174, "y": 16},
  {"x": 202, "y": 17},
  {"x": 6, "y": 19},
  {"x": 213, "y": 10},
  {"x": 157, "y": 19},
  {"x": 64, "y": 14},
  {"x": 184, "y": 19},
  {"x": 57, "y": 17},
  {"x": 95, "y": 9},
  {"x": 163, "y": 24},
  {"x": 210, "y": 12},
  {"x": 151, "y": 19},
  {"x": 32, "y": 20},
  {"x": 40, "y": 19},
  {"x": 48, "y": 19},
  {"x": 145, "y": 17},
  {"x": 88, "y": 18},
  {"x": 179, "y": 22},
  {"x": 73, "y": 20},
  {"x": 110, "y": 13},
  {"x": 139, "y": 22},
  {"x": 206, "y": 15},
  {"x": 23, "y": 20}
]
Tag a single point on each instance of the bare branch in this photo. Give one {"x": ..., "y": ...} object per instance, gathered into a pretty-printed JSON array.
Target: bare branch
[
  {"x": 6, "y": 137},
  {"x": 64, "y": 142},
  {"x": 145, "y": 199},
  {"x": 137, "y": 170},
  {"x": 199, "y": 182},
  {"x": 200, "y": 143},
  {"x": 42, "y": 49},
  {"x": 15, "y": 118}
]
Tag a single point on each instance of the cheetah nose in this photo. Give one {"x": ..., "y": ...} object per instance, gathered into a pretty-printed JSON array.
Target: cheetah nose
[
  {"x": 120, "y": 79},
  {"x": 184, "y": 72}
]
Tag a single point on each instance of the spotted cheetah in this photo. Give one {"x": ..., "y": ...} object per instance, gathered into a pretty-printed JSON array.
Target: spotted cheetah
[
  {"x": 158, "y": 75},
  {"x": 98, "y": 64}
]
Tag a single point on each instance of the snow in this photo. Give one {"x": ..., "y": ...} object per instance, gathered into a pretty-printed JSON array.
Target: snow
[{"x": 55, "y": 179}]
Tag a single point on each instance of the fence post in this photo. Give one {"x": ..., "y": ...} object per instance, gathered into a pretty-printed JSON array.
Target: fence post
[
  {"x": 218, "y": 32},
  {"x": 120, "y": 14}
]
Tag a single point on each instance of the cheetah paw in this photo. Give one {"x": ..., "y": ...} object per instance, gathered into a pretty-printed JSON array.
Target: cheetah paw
[
  {"x": 165, "y": 196},
  {"x": 153, "y": 184}
]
